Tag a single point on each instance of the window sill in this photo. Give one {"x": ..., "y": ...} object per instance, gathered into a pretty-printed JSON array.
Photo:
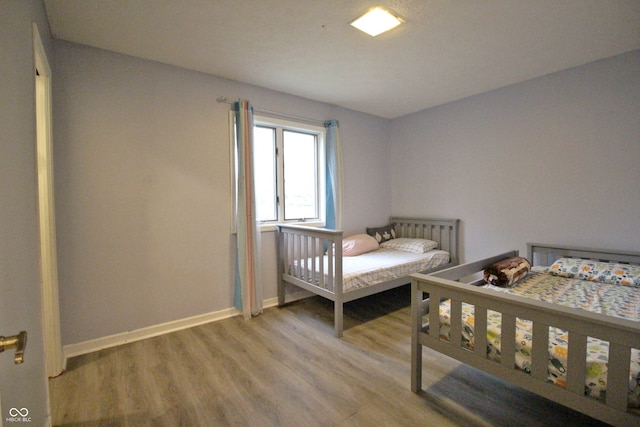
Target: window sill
[{"x": 272, "y": 227}]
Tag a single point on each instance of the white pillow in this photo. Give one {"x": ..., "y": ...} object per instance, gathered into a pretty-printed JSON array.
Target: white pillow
[
  {"x": 359, "y": 244},
  {"x": 417, "y": 246}
]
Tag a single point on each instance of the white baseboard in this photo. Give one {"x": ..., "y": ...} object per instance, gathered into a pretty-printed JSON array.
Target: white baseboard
[
  {"x": 271, "y": 302},
  {"x": 296, "y": 296},
  {"x": 72, "y": 350},
  {"x": 289, "y": 297},
  {"x": 90, "y": 346}
]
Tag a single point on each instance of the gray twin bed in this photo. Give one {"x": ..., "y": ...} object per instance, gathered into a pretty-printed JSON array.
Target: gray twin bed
[
  {"x": 312, "y": 258},
  {"x": 573, "y": 324}
]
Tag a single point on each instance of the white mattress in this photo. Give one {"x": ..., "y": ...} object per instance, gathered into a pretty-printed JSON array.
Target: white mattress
[{"x": 383, "y": 265}]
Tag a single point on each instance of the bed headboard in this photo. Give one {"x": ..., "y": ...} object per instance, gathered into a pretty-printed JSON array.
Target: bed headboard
[
  {"x": 545, "y": 254},
  {"x": 443, "y": 231}
]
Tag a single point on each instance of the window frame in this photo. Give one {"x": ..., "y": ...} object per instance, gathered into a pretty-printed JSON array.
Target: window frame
[{"x": 281, "y": 124}]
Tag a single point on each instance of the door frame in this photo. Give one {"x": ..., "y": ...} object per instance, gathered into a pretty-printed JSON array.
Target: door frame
[{"x": 54, "y": 355}]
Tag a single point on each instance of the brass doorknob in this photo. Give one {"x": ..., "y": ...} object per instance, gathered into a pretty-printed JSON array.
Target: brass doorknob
[{"x": 19, "y": 342}]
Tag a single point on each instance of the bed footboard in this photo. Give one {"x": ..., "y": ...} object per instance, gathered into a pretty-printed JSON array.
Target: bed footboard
[
  {"x": 622, "y": 334},
  {"x": 301, "y": 251}
]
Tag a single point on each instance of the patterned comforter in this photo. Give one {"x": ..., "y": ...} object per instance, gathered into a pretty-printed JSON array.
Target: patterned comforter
[{"x": 611, "y": 300}]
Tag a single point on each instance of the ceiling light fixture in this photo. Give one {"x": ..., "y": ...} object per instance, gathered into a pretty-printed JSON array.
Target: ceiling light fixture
[{"x": 376, "y": 21}]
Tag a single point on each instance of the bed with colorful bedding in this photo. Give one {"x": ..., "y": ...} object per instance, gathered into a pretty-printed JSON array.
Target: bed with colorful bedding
[
  {"x": 343, "y": 269},
  {"x": 573, "y": 319}
]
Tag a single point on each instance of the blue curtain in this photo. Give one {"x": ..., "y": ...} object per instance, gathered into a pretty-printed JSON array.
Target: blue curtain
[
  {"x": 333, "y": 152},
  {"x": 248, "y": 289}
]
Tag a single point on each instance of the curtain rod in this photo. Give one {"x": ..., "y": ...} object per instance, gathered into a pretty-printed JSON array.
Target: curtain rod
[{"x": 277, "y": 115}]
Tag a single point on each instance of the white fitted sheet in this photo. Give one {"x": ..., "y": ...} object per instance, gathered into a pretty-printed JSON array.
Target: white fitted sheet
[{"x": 381, "y": 265}]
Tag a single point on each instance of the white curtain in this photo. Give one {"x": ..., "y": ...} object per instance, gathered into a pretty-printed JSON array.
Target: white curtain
[{"x": 248, "y": 289}]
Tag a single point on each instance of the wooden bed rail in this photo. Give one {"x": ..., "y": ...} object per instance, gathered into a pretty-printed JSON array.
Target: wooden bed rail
[{"x": 622, "y": 335}]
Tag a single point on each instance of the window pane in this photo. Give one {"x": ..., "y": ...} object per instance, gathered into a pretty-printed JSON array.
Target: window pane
[
  {"x": 300, "y": 186},
  {"x": 264, "y": 160}
]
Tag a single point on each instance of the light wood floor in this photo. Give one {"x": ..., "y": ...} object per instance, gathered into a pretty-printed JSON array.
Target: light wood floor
[{"x": 285, "y": 368}]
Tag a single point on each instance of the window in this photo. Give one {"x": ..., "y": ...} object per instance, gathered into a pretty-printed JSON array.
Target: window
[{"x": 289, "y": 168}]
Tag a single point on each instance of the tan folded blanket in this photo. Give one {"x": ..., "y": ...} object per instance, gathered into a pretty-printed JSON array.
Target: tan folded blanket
[{"x": 507, "y": 272}]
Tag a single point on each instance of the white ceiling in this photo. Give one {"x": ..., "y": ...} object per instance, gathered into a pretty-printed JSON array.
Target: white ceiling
[{"x": 445, "y": 50}]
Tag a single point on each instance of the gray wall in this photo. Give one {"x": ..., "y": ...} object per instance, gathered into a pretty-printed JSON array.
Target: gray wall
[
  {"x": 142, "y": 177},
  {"x": 555, "y": 159},
  {"x": 143, "y": 190},
  {"x": 21, "y": 386}
]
